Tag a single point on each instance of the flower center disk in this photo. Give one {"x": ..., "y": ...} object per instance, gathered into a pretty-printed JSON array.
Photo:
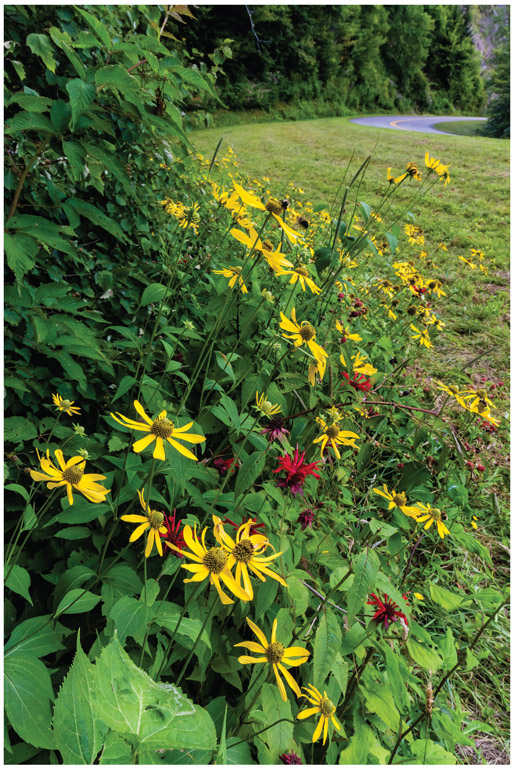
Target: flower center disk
[
  {"x": 326, "y": 706},
  {"x": 400, "y": 499},
  {"x": 274, "y": 652},
  {"x": 243, "y": 551},
  {"x": 215, "y": 559},
  {"x": 307, "y": 332},
  {"x": 156, "y": 518},
  {"x": 162, "y": 428},
  {"x": 332, "y": 431},
  {"x": 73, "y": 474}
]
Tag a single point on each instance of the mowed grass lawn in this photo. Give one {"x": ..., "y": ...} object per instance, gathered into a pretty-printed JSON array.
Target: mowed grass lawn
[{"x": 471, "y": 212}]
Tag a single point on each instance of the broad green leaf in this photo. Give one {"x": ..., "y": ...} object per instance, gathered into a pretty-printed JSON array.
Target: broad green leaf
[
  {"x": 37, "y": 636},
  {"x": 73, "y": 532},
  {"x": 41, "y": 46},
  {"x": 96, "y": 217},
  {"x": 429, "y": 752},
  {"x": 124, "y": 578},
  {"x": 396, "y": 679},
  {"x": 167, "y": 615},
  {"x": 130, "y": 617},
  {"x": 81, "y": 96},
  {"x": 97, "y": 26},
  {"x": 64, "y": 41},
  {"x": 328, "y": 638},
  {"x": 445, "y": 598},
  {"x": 60, "y": 115},
  {"x": 116, "y": 750},
  {"x": 77, "y": 601},
  {"x": 19, "y": 582},
  {"x": 424, "y": 656},
  {"x": 79, "y": 733},
  {"x": 124, "y": 386},
  {"x": 21, "y": 251},
  {"x": 76, "y": 158},
  {"x": 18, "y": 429},
  {"x": 155, "y": 292},
  {"x": 28, "y": 692},
  {"x": 339, "y": 670},
  {"x": 448, "y": 650},
  {"x": 298, "y": 593},
  {"x": 380, "y": 701},
  {"x": 249, "y": 472},
  {"x": 116, "y": 76},
  {"x": 31, "y": 102},
  {"x": 21, "y": 490},
  {"x": 357, "y": 750},
  {"x": 366, "y": 566},
  {"x": 43, "y": 230},
  {"x": 156, "y": 715},
  {"x": 279, "y": 738},
  {"x": 28, "y": 121}
]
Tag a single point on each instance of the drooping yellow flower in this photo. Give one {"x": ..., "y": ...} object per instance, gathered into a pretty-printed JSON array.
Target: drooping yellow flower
[
  {"x": 346, "y": 333},
  {"x": 422, "y": 336},
  {"x": 64, "y": 405},
  {"x": 276, "y": 260},
  {"x": 291, "y": 234},
  {"x": 300, "y": 274},
  {"x": 394, "y": 180},
  {"x": 159, "y": 430},
  {"x": 247, "y": 197},
  {"x": 246, "y": 552},
  {"x": 413, "y": 171},
  {"x": 276, "y": 655},
  {"x": 152, "y": 520},
  {"x": 430, "y": 162},
  {"x": 332, "y": 434},
  {"x": 322, "y": 705},
  {"x": 234, "y": 275},
  {"x": 71, "y": 475},
  {"x": 430, "y": 515},
  {"x": 249, "y": 239},
  {"x": 208, "y": 563},
  {"x": 266, "y": 407},
  {"x": 361, "y": 367},
  {"x": 396, "y": 499},
  {"x": 443, "y": 173},
  {"x": 304, "y": 333}
]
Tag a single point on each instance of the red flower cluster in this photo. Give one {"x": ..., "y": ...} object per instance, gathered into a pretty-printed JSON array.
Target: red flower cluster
[
  {"x": 275, "y": 430},
  {"x": 173, "y": 533},
  {"x": 359, "y": 381},
  {"x": 223, "y": 465},
  {"x": 306, "y": 518},
  {"x": 290, "y": 758},
  {"x": 387, "y": 610},
  {"x": 297, "y": 471}
]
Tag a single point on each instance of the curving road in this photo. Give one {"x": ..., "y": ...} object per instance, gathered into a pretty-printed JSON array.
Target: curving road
[{"x": 411, "y": 122}]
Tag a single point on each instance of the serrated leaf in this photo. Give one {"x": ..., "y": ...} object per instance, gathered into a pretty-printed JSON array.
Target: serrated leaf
[
  {"x": 445, "y": 598},
  {"x": 81, "y": 96},
  {"x": 19, "y": 582},
  {"x": 31, "y": 102},
  {"x": 75, "y": 156},
  {"x": 380, "y": 702},
  {"x": 28, "y": 121},
  {"x": 328, "y": 638},
  {"x": 41, "y": 46},
  {"x": 116, "y": 76},
  {"x": 96, "y": 217},
  {"x": 155, "y": 292},
  {"x": 365, "y": 566},
  {"x": 251, "y": 469},
  {"x": 424, "y": 656},
  {"x": 28, "y": 692},
  {"x": 130, "y": 617},
  {"x": 429, "y": 752},
  {"x": 79, "y": 733},
  {"x": 60, "y": 115},
  {"x": 19, "y": 429},
  {"x": 97, "y": 26},
  {"x": 116, "y": 750}
]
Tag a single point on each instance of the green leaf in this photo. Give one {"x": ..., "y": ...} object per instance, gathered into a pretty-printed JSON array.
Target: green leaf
[
  {"x": 41, "y": 46},
  {"x": 429, "y": 752},
  {"x": 37, "y": 636},
  {"x": 396, "y": 680},
  {"x": 64, "y": 41},
  {"x": 424, "y": 656},
  {"x": 249, "y": 472},
  {"x": 19, "y": 582},
  {"x": 96, "y": 217},
  {"x": 43, "y": 230},
  {"x": 298, "y": 594},
  {"x": 366, "y": 566},
  {"x": 448, "y": 651},
  {"x": 158, "y": 716},
  {"x": 79, "y": 733},
  {"x": 28, "y": 121},
  {"x": 444, "y": 598},
  {"x": 60, "y": 115},
  {"x": 167, "y": 615},
  {"x": 155, "y": 292},
  {"x": 124, "y": 578},
  {"x": 31, "y": 102},
  {"x": 76, "y": 158},
  {"x": 70, "y": 605},
  {"x": 21, "y": 251},
  {"x": 130, "y": 618},
  {"x": 380, "y": 702},
  {"x": 28, "y": 692},
  {"x": 279, "y": 738},
  {"x": 116, "y": 77},
  {"x": 81, "y": 96},
  {"x": 97, "y": 26},
  {"x": 21, "y": 490},
  {"x": 73, "y": 532},
  {"x": 116, "y": 750},
  {"x": 325, "y": 647}
]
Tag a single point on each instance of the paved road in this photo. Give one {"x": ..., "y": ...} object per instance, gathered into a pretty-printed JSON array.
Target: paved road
[{"x": 411, "y": 122}]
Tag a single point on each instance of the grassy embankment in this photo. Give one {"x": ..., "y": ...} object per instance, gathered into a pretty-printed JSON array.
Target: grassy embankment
[
  {"x": 471, "y": 212},
  {"x": 465, "y": 128}
]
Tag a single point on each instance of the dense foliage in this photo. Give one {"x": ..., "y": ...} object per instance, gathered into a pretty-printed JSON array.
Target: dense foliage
[
  {"x": 269, "y": 441},
  {"x": 499, "y": 87},
  {"x": 340, "y": 58}
]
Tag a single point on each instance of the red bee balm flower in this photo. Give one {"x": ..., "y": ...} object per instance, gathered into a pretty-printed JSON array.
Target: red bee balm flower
[
  {"x": 296, "y": 470},
  {"x": 306, "y": 518},
  {"x": 387, "y": 610},
  {"x": 290, "y": 758},
  {"x": 223, "y": 465},
  {"x": 359, "y": 381},
  {"x": 173, "y": 533}
]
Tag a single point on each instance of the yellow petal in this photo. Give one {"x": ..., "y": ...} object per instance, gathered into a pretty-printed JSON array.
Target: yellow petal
[
  {"x": 291, "y": 681},
  {"x": 158, "y": 451},
  {"x": 281, "y": 686},
  {"x": 182, "y": 450},
  {"x": 134, "y": 518},
  {"x": 245, "y": 660},
  {"x": 149, "y": 542},
  {"x": 142, "y": 413},
  {"x": 142, "y": 443},
  {"x": 139, "y": 531},
  {"x": 252, "y": 646},
  {"x": 259, "y": 634},
  {"x": 307, "y": 713},
  {"x": 318, "y": 729}
]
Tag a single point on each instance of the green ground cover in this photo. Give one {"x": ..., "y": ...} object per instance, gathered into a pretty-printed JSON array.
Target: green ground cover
[{"x": 463, "y": 128}]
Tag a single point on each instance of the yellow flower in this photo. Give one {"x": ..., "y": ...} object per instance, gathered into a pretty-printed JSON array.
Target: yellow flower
[
  {"x": 266, "y": 407},
  {"x": 435, "y": 286},
  {"x": 234, "y": 273},
  {"x": 246, "y": 553},
  {"x": 71, "y": 475},
  {"x": 314, "y": 369},
  {"x": 211, "y": 563},
  {"x": 251, "y": 241},
  {"x": 291, "y": 234},
  {"x": 418, "y": 596},
  {"x": 322, "y": 705},
  {"x": 473, "y": 522},
  {"x": 65, "y": 405},
  {"x": 413, "y": 171},
  {"x": 159, "y": 430},
  {"x": 153, "y": 520},
  {"x": 431, "y": 515},
  {"x": 300, "y": 274},
  {"x": 276, "y": 655},
  {"x": 361, "y": 367},
  {"x": 443, "y": 173},
  {"x": 396, "y": 499},
  {"x": 304, "y": 333},
  {"x": 431, "y": 163},
  {"x": 248, "y": 198},
  {"x": 395, "y": 180},
  {"x": 333, "y": 435},
  {"x": 421, "y": 335},
  {"x": 275, "y": 259}
]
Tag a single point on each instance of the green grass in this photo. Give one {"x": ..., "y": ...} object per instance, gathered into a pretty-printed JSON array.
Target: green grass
[
  {"x": 472, "y": 211},
  {"x": 463, "y": 128}
]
